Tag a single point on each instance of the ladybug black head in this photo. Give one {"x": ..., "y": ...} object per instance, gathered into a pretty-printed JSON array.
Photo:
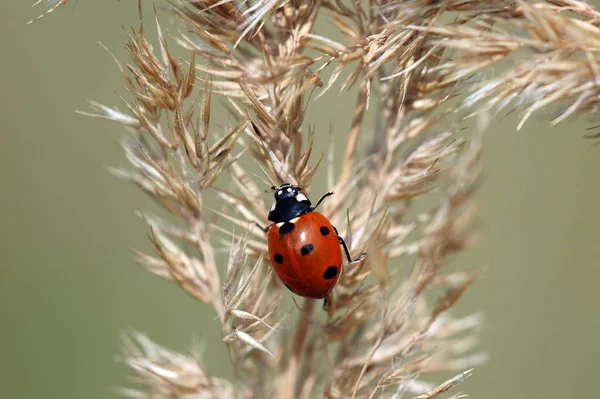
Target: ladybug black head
[
  {"x": 289, "y": 203},
  {"x": 286, "y": 191}
]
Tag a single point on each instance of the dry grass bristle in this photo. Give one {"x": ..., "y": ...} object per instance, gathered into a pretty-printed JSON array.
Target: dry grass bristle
[
  {"x": 51, "y": 5},
  {"x": 403, "y": 194}
]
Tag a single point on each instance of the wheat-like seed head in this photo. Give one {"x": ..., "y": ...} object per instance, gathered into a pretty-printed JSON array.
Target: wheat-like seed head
[{"x": 269, "y": 62}]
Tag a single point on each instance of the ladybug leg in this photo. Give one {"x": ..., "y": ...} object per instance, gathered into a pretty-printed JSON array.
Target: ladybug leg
[
  {"x": 327, "y": 194},
  {"x": 341, "y": 240},
  {"x": 346, "y": 250},
  {"x": 265, "y": 229},
  {"x": 329, "y": 305}
]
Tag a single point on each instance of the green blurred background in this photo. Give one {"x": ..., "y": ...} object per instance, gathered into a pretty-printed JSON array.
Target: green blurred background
[{"x": 68, "y": 284}]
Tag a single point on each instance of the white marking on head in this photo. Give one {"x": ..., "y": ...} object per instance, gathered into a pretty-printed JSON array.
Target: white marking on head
[
  {"x": 279, "y": 192},
  {"x": 280, "y": 224},
  {"x": 294, "y": 220},
  {"x": 289, "y": 190},
  {"x": 273, "y": 207},
  {"x": 301, "y": 197}
]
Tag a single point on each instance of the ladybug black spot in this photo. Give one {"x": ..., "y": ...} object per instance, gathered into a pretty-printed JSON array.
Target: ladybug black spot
[
  {"x": 330, "y": 273},
  {"x": 307, "y": 249},
  {"x": 286, "y": 227},
  {"x": 324, "y": 230},
  {"x": 278, "y": 258}
]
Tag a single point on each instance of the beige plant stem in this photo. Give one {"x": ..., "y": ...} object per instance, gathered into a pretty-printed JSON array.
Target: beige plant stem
[
  {"x": 290, "y": 376},
  {"x": 352, "y": 141}
]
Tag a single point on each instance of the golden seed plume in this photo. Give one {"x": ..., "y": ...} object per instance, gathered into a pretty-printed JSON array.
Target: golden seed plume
[{"x": 403, "y": 194}]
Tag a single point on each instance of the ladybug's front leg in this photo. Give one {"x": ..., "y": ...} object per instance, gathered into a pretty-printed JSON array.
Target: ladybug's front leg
[
  {"x": 265, "y": 229},
  {"x": 327, "y": 194}
]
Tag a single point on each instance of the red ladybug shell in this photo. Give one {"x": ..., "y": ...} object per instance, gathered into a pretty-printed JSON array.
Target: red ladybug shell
[{"x": 306, "y": 254}]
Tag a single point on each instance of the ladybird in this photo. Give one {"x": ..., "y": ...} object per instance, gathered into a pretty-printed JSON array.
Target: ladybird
[{"x": 304, "y": 246}]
